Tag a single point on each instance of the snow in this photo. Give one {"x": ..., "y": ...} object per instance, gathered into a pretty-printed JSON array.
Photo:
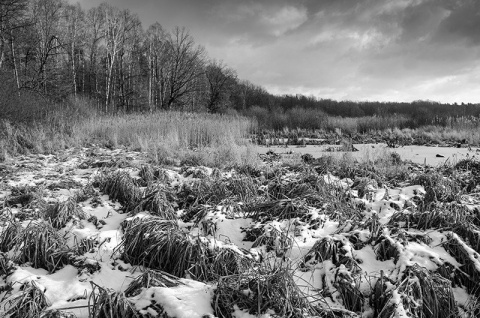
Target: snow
[
  {"x": 191, "y": 300},
  {"x": 70, "y": 287}
]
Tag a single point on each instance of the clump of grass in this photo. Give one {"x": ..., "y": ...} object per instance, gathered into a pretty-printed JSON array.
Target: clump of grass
[
  {"x": 225, "y": 261},
  {"x": 7, "y": 235},
  {"x": 469, "y": 259},
  {"x": 41, "y": 245},
  {"x": 28, "y": 303},
  {"x": 6, "y": 265},
  {"x": 85, "y": 193},
  {"x": 441, "y": 216},
  {"x": 386, "y": 249},
  {"x": 61, "y": 213},
  {"x": 349, "y": 289},
  {"x": 280, "y": 210},
  {"x": 380, "y": 296},
  {"x": 104, "y": 303},
  {"x": 120, "y": 186},
  {"x": 470, "y": 233},
  {"x": 158, "y": 244},
  {"x": 214, "y": 191},
  {"x": 260, "y": 293},
  {"x": 437, "y": 187},
  {"x": 151, "y": 278},
  {"x": 149, "y": 174},
  {"x": 422, "y": 294},
  {"x": 159, "y": 201},
  {"x": 329, "y": 248},
  {"x": 55, "y": 313},
  {"x": 283, "y": 189},
  {"x": 274, "y": 240}
]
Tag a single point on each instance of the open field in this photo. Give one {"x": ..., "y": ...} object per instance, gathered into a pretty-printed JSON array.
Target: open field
[{"x": 96, "y": 232}]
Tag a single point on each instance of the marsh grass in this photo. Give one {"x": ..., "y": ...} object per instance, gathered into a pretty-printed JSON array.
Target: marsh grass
[
  {"x": 422, "y": 294},
  {"x": 151, "y": 278},
  {"x": 41, "y": 245},
  {"x": 8, "y": 235},
  {"x": 456, "y": 247},
  {"x": 104, "y": 303},
  {"x": 215, "y": 140},
  {"x": 121, "y": 187},
  {"x": 260, "y": 292},
  {"x": 159, "y": 201},
  {"x": 29, "y": 303},
  {"x": 62, "y": 212},
  {"x": 159, "y": 244}
]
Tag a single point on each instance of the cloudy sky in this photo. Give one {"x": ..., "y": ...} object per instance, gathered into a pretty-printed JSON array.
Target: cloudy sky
[{"x": 397, "y": 50}]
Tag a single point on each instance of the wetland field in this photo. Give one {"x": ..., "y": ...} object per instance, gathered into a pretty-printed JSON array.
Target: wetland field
[{"x": 95, "y": 231}]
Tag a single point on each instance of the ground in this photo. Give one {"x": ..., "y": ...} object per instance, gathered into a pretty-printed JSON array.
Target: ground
[{"x": 94, "y": 232}]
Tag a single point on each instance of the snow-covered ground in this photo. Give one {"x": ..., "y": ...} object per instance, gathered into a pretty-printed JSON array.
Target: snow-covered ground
[{"x": 325, "y": 252}]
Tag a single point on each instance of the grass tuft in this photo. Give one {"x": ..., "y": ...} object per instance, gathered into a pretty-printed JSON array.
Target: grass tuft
[
  {"x": 160, "y": 201},
  {"x": 151, "y": 278},
  {"x": 121, "y": 187},
  {"x": 29, "y": 303},
  {"x": 62, "y": 212},
  {"x": 41, "y": 245},
  {"x": 260, "y": 293},
  {"x": 420, "y": 293},
  {"x": 104, "y": 303}
]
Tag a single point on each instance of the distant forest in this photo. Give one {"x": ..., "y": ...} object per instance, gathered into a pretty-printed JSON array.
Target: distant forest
[{"x": 59, "y": 51}]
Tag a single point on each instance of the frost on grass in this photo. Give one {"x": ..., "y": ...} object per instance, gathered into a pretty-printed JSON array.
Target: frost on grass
[{"x": 122, "y": 238}]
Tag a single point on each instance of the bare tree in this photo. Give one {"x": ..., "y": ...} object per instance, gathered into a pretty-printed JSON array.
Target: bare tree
[
  {"x": 220, "y": 79},
  {"x": 46, "y": 16},
  {"x": 118, "y": 24},
  {"x": 158, "y": 54},
  {"x": 12, "y": 16},
  {"x": 73, "y": 39},
  {"x": 185, "y": 66},
  {"x": 94, "y": 22}
]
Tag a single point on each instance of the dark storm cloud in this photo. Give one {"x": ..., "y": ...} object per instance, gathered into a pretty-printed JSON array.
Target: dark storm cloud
[{"x": 355, "y": 49}]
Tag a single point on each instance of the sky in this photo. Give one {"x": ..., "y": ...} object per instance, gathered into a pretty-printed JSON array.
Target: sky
[{"x": 362, "y": 50}]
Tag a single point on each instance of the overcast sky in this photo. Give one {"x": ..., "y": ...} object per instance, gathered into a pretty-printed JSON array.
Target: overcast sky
[{"x": 387, "y": 50}]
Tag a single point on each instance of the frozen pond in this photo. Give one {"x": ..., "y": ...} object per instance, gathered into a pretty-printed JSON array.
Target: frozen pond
[{"x": 417, "y": 154}]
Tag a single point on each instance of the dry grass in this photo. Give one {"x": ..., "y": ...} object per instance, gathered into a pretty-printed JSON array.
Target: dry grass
[
  {"x": 104, "y": 303},
  {"x": 121, "y": 187},
  {"x": 168, "y": 137},
  {"x": 62, "y": 212},
  {"x": 159, "y": 200},
  {"x": 29, "y": 303},
  {"x": 329, "y": 248},
  {"x": 7, "y": 235},
  {"x": 151, "y": 278},
  {"x": 259, "y": 293},
  {"x": 42, "y": 246},
  {"x": 422, "y": 294},
  {"x": 158, "y": 244}
]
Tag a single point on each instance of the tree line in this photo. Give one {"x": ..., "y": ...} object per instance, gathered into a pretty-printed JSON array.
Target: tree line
[{"x": 60, "y": 51}]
